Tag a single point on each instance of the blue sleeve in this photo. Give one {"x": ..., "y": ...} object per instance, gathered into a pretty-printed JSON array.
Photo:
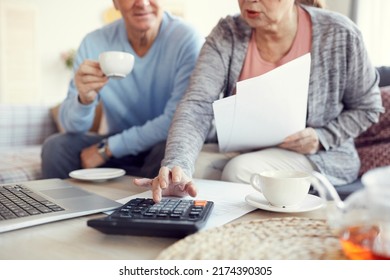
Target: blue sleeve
[
  {"x": 74, "y": 116},
  {"x": 141, "y": 138}
]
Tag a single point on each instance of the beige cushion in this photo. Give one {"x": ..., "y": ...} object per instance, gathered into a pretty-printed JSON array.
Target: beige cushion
[
  {"x": 96, "y": 122},
  {"x": 210, "y": 162}
]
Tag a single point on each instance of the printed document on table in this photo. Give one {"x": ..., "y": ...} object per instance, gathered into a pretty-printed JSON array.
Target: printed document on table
[
  {"x": 266, "y": 109},
  {"x": 228, "y": 198}
]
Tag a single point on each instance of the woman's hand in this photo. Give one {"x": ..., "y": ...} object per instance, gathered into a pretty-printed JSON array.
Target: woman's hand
[
  {"x": 168, "y": 183},
  {"x": 303, "y": 142}
]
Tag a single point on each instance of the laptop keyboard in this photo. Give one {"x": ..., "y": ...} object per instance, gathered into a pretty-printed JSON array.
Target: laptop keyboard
[{"x": 19, "y": 201}]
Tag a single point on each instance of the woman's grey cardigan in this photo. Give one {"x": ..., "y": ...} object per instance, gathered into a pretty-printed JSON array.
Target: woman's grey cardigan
[{"x": 344, "y": 98}]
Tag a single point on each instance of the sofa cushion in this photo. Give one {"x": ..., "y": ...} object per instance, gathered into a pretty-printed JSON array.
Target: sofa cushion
[
  {"x": 97, "y": 122},
  {"x": 22, "y": 125},
  {"x": 211, "y": 161},
  {"x": 373, "y": 145},
  {"x": 380, "y": 131},
  {"x": 373, "y": 156},
  {"x": 19, "y": 165}
]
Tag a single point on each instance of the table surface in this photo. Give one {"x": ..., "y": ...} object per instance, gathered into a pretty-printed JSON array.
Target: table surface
[{"x": 73, "y": 240}]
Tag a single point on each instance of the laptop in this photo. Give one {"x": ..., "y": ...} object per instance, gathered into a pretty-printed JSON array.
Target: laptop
[{"x": 43, "y": 201}]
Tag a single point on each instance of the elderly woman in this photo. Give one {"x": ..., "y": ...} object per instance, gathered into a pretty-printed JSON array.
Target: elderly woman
[{"x": 343, "y": 98}]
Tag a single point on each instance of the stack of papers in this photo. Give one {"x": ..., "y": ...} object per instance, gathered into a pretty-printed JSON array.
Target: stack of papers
[{"x": 266, "y": 109}]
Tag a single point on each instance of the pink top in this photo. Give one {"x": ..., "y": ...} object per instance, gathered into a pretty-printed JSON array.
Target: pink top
[{"x": 255, "y": 65}]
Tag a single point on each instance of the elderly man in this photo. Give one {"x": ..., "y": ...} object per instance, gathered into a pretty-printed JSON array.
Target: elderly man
[{"x": 138, "y": 108}]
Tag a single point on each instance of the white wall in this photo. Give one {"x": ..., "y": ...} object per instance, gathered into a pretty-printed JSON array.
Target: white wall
[
  {"x": 205, "y": 14},
  {"x": 341, "y": 6},
  {"x": 62, "y": 25}
]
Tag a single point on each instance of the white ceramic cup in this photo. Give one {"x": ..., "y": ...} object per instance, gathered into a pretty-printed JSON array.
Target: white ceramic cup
[
  {"x": 116, "y": 64},
  {"x": 282, "y": 188}
]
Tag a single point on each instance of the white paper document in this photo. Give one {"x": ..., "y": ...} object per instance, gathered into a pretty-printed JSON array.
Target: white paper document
[
  {"x": 266, "y": 109},
  {"x": 228, "y": 198}
]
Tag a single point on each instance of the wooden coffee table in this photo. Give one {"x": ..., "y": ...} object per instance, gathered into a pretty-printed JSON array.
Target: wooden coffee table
[{"x": 72, "y": 239}]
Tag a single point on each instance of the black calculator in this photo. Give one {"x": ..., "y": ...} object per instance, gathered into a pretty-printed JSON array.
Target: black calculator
[{"x": 171, "y": 217}]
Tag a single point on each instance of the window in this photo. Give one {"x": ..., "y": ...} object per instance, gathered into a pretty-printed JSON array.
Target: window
[
  {"x": 19, "y": 68},
  {"x": 373, "y": 19}
]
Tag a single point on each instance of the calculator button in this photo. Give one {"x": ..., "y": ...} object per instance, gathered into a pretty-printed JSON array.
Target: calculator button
[
  {"x": 200, "y": 202},
  {"x": 148, "y": 214},
  {"x": 162, "y": 215},
  {"x": 194, "y": 214},
  {"x": 135, "y": 201},
  {"x": 175, "y": 216}
]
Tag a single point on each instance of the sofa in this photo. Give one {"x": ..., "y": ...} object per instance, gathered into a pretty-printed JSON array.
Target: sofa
[
  {"x": 24, "y": 128},
  {"x": 373, "y": 146}
]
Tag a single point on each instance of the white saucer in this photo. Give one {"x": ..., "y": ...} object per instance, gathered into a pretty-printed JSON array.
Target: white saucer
[
  {"x": 311, "y": 203},
  {"x": 97, "y": 174}
]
